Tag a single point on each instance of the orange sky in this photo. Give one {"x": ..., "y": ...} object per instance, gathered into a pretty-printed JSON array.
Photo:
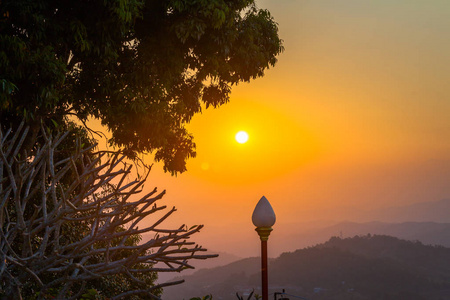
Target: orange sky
[{"x": 355, "y": 114}]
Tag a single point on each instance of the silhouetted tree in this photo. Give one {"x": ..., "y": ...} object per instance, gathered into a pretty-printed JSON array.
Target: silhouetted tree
[{"x": 61, "y": 237}]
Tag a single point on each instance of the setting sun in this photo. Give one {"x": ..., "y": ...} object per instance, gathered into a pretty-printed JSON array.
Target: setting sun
[{"x": 241, "y": 137}]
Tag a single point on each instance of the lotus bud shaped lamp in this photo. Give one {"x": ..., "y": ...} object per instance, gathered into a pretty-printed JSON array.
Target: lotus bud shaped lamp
[{"x": 264, "y": 218}]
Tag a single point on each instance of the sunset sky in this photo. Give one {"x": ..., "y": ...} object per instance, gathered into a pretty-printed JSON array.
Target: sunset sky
[{"x": 356, "y": 114}]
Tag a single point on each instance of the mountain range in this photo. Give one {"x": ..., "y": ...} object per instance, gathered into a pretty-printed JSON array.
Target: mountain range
[
  {"x": 359, "y": 268},
  {"x": 426, "y": 224}
]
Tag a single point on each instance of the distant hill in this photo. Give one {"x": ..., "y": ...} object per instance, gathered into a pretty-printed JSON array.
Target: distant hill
[
  {"x": 433, "y": 211},
  {"x": 429, "y": 233},
  {"x": 427, "y": 222},
  {"x": 358, "y": 268},
  {"x": 434, "y": 261}
]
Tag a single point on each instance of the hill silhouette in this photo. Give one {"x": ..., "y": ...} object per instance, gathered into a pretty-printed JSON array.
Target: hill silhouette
[
  {"x": 358, "y": 268},
  {"x": 306, "y": 235},
  {"x": 426, "y": 232}
]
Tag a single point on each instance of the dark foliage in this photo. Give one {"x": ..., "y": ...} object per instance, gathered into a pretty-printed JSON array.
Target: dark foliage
[{"x": 143, "y": 67}]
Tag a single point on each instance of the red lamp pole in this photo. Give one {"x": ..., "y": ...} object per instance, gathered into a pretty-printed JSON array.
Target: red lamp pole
[
  {"x": 264, "y": 272},
  {"x": 264, "y": 233}
]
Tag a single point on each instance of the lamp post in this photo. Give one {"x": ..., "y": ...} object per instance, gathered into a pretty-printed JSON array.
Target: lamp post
[{"x": 263, "y": 218}]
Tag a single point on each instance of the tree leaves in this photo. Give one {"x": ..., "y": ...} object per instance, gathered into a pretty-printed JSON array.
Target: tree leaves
[{"x": 141, "y": 66}]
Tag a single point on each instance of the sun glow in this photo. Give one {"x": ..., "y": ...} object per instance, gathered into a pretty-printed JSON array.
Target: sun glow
[
  {"x": 276, "y": 144},
  {"x": 241, "y": 137}
]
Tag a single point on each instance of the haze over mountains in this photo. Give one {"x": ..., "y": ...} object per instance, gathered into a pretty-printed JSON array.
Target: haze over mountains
[
  {"x": 428, "y": 222},
  {"x": 434, "y": 211}
]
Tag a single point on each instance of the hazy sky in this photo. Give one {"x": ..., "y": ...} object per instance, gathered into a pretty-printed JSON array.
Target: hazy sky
[{"x": 355, "y": 114}]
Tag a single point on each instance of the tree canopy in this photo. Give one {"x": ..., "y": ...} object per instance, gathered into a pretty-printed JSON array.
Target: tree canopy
[{"x": 143, "y": 67}]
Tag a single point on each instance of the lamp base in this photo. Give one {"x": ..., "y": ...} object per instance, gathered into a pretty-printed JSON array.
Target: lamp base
[{"x": 263, "y": 233}]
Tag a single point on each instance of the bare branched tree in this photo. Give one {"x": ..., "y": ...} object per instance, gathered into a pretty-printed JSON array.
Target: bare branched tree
[{"x": 69, "y": 220}]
